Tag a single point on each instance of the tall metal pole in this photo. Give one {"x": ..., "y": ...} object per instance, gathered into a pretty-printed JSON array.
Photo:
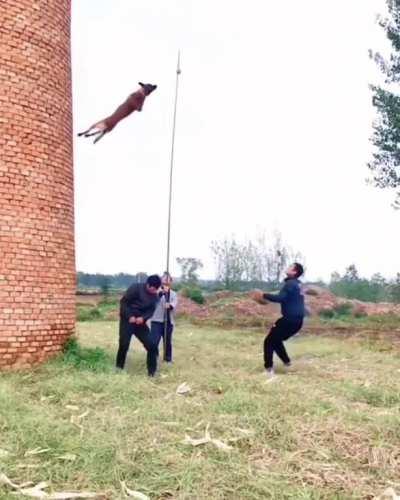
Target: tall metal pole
[
  {"x": 178, "y": 72},
  {"x": 171, "y": 172}
]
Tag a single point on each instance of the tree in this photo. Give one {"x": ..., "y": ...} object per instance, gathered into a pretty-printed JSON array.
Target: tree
[
  {"x": 105, "y": 286},
  {"x": 385, "y": 163},
  {"x": 230, "y": 261},
  {"x": 394, "y": 289},
  {"x": 252, "y": 262},
  {"x": 189, "y": 269},
  {"x": 335, "y": 277},
  {"x": 141, "y": 277},
  {"x": 351, "y": 274}
]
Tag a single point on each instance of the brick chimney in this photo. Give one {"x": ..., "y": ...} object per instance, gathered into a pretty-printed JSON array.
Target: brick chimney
[{"x": 37, "y": 262}]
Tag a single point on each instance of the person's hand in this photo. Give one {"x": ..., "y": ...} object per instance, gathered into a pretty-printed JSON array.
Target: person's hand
[
  {"x": 139, "y": 321},
  {"x": 258, "y": 296},
  {"x": 168, "y": 305},
  {"x": 132, "y": 320}
]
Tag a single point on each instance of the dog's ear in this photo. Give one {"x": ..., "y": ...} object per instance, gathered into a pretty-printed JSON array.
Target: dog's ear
[{"x": 148, "y": 87}]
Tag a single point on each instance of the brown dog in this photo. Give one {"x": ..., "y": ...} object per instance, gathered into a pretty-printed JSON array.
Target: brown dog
[{"x": 134, "y": 103}]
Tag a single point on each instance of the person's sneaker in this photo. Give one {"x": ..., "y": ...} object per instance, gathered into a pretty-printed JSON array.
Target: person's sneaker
[
  {"x": 270, "y": 373},
  {"x": 288, "y": 367}
]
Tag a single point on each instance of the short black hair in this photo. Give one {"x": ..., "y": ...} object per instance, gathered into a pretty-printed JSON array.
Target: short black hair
[
  {"x": 299, "y": 269},
  {"x": 154, "y": 281}
]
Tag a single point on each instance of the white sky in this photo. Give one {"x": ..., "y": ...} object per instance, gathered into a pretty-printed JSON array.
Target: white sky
[{"x": 273, "y": 131}]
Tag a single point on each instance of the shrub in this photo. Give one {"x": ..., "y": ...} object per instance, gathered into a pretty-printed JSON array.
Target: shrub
[
  {"x": 338, "y": 311},
  {"x": 343, "y": 309},
  {"x": 194, "y": 294},
  {"x": 327, "y": 313},
  {"x": 85, "y": 314}
]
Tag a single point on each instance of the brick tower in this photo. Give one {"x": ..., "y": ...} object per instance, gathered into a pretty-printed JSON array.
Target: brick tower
[{"x": 37, "y": 262}]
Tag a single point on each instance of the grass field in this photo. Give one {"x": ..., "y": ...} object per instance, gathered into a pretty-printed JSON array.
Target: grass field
[{"x": 328, "y": 430}]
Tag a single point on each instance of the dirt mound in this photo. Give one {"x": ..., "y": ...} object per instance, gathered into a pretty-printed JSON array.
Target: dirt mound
[
  {"x": 228, "y": 308},
  {"x": 319, "y": 299}
]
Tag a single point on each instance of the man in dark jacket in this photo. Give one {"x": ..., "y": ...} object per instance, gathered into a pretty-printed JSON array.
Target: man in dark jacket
[
  {"x": 136, "y": 307},
  {"x": 291, "y": 299}
]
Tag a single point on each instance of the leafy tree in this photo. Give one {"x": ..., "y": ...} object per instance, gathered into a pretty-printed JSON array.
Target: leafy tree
[
  {"x": 189, "y": 270},
  {"x": 106, "y": 286},
  {"x": 351, "y": 274},
  {"x": 394, "y": 289},
  {"x": 385, "y": 163},
  {"x": 352, "y": 286},
  {"x": 230, "y": 261}
]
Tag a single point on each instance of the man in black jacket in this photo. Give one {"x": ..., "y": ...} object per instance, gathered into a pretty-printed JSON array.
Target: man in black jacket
[
  {"x": 136, "y": 307},
  {"x": 291, "y": 299}
]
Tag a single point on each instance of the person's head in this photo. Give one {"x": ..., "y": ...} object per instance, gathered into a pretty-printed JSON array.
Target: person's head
[
  {"x": 166, "y": 280},
  {"x": 295, "y": 271},
  {"x": 153, "y": 283},
  {"x": 147, "y": 88}
]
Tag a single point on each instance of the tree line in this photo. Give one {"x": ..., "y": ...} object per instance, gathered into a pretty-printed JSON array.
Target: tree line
[{"x": 249, "y": 264}]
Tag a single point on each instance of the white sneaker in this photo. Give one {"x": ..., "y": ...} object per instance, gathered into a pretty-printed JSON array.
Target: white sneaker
[
  {"x": 288, "y": 367},
  {"x": 270, "y": 373}
]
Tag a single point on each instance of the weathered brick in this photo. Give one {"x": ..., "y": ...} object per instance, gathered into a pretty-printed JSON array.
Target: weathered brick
[{"x": 37, "y": 265}]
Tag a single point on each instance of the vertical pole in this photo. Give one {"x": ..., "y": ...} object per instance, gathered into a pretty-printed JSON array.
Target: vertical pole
[
  {"x": 167, "y": 297},
  {"x": 178, "y": 72}
]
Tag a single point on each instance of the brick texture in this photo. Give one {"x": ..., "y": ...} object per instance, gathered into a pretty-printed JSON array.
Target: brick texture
[{"x": 37, "y": 261}]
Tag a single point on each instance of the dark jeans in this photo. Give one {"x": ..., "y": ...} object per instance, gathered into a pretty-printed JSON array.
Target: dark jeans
[
  {"x": 283, "y": 329},
  {"x": 158, "y": 330},
  {"x": 147, "y": 338}
]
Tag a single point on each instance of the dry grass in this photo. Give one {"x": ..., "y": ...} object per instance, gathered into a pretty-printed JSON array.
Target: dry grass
[{"x": 329, "y": 430}]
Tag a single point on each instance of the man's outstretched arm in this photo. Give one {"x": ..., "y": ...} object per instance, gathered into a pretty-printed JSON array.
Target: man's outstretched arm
[
  {"x": 280, "y": 297},
  {"x": 262, "y": 297}
]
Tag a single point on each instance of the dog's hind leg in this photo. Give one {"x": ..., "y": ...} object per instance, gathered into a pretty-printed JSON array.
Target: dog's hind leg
[{"x": 102, "y": 134}]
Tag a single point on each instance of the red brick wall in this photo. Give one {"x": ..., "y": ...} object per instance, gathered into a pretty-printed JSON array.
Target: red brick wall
[{"x": 37, "y": 262}]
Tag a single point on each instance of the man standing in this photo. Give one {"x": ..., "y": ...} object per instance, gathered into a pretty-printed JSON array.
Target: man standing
[
  {"x": 136, "y": 307},
  {"x": 163, "y": 320},
  {"x": 291, "y": 299}
]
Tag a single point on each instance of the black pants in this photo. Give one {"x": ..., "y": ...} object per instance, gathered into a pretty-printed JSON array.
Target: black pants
[
  {"x": 158, "y": 330},
  {"x": 282, "y": 330},
  {"x": 150, "y": 343}
]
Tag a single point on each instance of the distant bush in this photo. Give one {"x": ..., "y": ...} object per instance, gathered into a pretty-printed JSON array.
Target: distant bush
[
  {"x": 327, "y": 313},
  {"x": 88, "y": 314},
  {"x": 85, "y": 358},
  {"x": 359, "y": 313},
  {"x": 338, "y": 311},
  {"x": 194, "y": 293},
  {"x": 343, "y": 309}
]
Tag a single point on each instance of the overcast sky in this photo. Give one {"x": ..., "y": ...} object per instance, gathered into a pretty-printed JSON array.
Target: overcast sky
[{"x": 273, "y": 132}]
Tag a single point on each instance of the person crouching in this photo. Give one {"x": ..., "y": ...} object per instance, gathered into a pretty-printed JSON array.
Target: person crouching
[{"x": 136, "y": 307}]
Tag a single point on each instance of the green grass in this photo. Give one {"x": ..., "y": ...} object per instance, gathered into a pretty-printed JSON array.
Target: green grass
[{"x": 328, "y": 430}]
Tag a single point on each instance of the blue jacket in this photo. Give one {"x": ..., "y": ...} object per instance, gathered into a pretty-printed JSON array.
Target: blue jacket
[{"x": 291, "y": 299}]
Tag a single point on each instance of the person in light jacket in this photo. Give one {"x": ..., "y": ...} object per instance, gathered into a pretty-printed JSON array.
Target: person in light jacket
[{"x": 163, "y": 320}]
